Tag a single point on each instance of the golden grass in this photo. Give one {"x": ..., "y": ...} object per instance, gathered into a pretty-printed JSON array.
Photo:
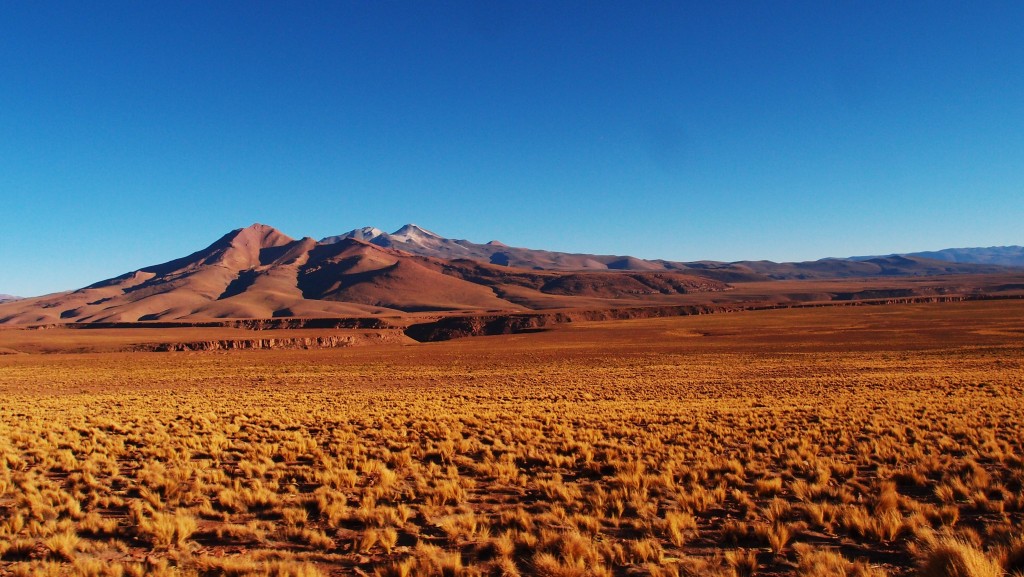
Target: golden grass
[
  {"x": 886, "y": 442},
  {"x": 957, "y": 558}
]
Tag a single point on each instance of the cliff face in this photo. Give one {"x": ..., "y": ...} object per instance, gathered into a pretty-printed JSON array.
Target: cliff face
[
  {"x": 322, "y": 342},
  {"x": 483, "y": 325},
  {"x": 278, "y": 323},
  {"x": 455, "y": 327}
]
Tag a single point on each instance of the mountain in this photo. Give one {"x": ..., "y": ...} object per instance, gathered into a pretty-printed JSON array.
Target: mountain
[
  {"x": 8, "y": 298},
  {"x": 413, "y": 239},
  {"x": 259, "y": 272}
]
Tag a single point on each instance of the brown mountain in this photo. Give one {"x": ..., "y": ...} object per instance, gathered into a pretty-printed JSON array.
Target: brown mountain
[{"x": 258, "y": 272}]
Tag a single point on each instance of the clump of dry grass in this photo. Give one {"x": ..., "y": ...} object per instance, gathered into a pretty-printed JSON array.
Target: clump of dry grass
[
  {"x": 62, "y": 545},
  {"x": 1013, "y": 556},
  {"x": 824, "y": 563},
  {"x": 679, "y": 527},
  {"x": 951, "y": 557},
  {"x": 163, "y": 530},
  {"x": 743, "y": 562}
]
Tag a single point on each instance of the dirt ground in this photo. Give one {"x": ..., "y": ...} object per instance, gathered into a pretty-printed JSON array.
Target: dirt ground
[{"x": 835, "y": 441}]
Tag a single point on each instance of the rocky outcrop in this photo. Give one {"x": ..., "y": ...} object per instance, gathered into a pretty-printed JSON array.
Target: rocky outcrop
[
  {"x": 454, "y": 327},
  {"x": 321, "y": 342},
  {"x": 368, "y": 323},
  {"x": 482, "y": 325}
]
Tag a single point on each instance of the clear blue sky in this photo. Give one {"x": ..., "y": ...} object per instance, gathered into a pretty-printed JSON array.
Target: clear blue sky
[{"x": 133, "y": 132}]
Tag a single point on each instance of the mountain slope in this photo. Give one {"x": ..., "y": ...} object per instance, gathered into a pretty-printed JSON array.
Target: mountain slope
[{"x": 358, "y": 272}]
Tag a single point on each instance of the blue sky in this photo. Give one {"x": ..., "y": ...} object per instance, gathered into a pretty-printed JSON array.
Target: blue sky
[{"x": 132, "y": 133}]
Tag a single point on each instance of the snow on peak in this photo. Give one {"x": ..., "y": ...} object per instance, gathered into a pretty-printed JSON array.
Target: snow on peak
[
  {"x": 409, "y": 237},
  {"x": 411, "y": 232},
  {"x": 367, "y": 233}
]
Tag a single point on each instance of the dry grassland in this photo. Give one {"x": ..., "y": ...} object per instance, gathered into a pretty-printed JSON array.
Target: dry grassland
[{"x": 861, "y": 441}]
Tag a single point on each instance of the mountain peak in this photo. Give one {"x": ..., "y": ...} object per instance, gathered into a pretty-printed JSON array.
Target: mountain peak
[
  {"x": 260, "y": 235},
  {"x": 238, "y": 249},
  {"x": 366, "y": 234},
  {"x": 411, "y": 231}
]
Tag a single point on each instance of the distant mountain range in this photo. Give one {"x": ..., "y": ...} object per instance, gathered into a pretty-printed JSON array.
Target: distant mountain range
[
  {"x": 997, "y": 255},
  {"x": 416, "y": 240},
  {"x": 8, "y": 298},
  {"x": 259, "y": 272}
]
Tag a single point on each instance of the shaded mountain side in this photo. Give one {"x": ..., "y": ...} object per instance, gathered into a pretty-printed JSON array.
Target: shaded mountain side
[
  {"x": 622, "y": 285},
  {"x": 355, "y": 271},
  {"x": 403, "y": 285},
  {"x": 720, "y": 271},
  {"x": 608, "y": 285}
]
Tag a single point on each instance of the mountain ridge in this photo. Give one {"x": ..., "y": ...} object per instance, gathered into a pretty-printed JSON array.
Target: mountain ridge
[
  {"x": 417, "y": 240},
  {"x": 260, "y": 272}
]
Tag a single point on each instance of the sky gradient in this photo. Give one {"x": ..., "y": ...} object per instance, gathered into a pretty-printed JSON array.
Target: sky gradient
[{"x": 132, "y": 133}]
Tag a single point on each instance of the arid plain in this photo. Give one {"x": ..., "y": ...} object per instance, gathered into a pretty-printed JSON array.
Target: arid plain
[{"x": 855, "y": 440}]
